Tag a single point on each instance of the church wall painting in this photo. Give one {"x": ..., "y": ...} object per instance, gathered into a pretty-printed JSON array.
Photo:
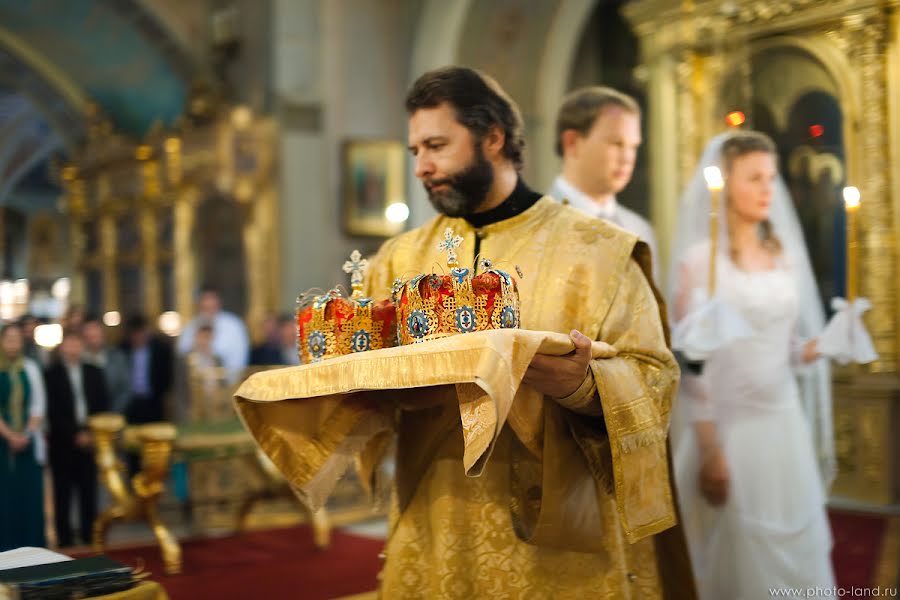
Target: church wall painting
[{"x": 372, "y": 181}]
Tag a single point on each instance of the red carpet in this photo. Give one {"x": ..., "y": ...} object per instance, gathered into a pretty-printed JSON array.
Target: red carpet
[
  {"x": 859, "y": 541},
  {"x": 263, "y": 565},
  {"x": 284, "y": 564}
]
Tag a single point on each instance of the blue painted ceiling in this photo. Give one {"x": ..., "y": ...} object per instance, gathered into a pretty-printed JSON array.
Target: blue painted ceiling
[
  {"x": 105, "y": 54},
  {"x": 107, "y": 50}
]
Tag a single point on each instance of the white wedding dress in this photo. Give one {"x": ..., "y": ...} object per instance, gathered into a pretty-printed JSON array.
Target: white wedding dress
[{"x": 772, "y": 531}]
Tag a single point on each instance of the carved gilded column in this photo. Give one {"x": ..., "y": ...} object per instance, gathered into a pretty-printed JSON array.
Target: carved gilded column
[
  {"x": 108, "y": 243},
  {"x": 687, "y": 132},
  {"x": 893, "y": 112},
  {"x": 269, "y": 253},
  {"x": 150, "y": 261},
  {"x": 184, "y": 264},
  {"x": 76, "y": 205},
  {"x": 3, "y": 241},
  {"x": 879, "y": 261},
  {"x": 150, "y": 238},
  {"x": 254, "y": 245},
  {"x": 661, "y": 122},
  {"x": 252, "y": 188}
]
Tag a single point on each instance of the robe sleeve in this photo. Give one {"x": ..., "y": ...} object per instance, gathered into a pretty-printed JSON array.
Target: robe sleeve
[
  {"x": 623, "y": 455},
  {"x": 584, "y": 400},
  {"x": 636, "y": 389}
]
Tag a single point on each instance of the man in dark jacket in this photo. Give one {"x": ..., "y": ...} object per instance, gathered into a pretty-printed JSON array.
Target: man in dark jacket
[
  {"x": 75, "y": 390},
  {"x": 150, "y": 364},
  {"x": 150, "y": 367}
]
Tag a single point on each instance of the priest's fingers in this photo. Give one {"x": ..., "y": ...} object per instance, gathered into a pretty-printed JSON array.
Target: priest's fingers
[
  {"x": 554, "y": 375},
  {"x": 559, "y": 367},
  {"x": 582, "y": 346},
  {"x": 602, "y": 350},
  {"x": 544, "y": 362}
]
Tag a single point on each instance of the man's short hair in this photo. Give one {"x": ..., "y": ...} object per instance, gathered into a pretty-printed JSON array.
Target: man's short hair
[
  {"x": 92, "y": 318},
  {"x": 71, "y": 333},
  {"x": 136, "y": 322},
  {"x": 581, "y": 108},
  {"x": 478, "y": 101}
]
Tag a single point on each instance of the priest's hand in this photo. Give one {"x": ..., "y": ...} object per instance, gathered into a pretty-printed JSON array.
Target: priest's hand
[
  {"x": 560, "y": 376},
  {"x": 714, "y": 476}
]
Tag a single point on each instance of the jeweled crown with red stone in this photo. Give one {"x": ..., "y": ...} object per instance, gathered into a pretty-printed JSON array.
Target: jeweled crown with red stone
[
  {"x": 432, "y": 306},
  {"x": 332, "y": 324}
]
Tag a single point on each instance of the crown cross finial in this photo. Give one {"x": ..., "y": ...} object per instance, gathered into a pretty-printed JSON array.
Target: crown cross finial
[
  {"x": 356, "y": 267},
  {"x": 449, "y": 245}
]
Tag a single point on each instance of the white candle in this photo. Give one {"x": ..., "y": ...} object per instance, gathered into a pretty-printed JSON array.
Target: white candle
[
  {"x": 851, "y": 204},
  {"x": 715, "y": 183}
]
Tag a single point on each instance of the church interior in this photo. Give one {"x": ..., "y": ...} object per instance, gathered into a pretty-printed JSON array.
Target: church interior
[{"x": 162, "y": 161}]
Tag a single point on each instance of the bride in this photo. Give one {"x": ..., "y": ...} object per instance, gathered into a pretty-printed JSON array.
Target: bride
[{"x": 753, "y": 447}]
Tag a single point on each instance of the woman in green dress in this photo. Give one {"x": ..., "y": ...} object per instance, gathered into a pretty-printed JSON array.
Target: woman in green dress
[{"x": 22, "y": 407}]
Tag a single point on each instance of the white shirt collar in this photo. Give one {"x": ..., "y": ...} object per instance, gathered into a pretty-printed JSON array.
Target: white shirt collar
[
  {"x": 585, "y": 203},
  {"x": 75, "y": 379}
]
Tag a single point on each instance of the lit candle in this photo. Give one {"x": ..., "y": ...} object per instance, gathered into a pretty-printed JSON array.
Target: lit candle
[
  {"x": 715, "y": 183},
  {"x": 851, "y": 204}
]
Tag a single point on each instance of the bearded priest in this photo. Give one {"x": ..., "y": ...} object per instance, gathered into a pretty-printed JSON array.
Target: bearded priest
[{"x": 576, "y": 500}]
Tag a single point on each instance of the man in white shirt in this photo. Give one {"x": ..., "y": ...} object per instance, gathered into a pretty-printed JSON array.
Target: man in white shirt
[
  {"x": 230, "y": 340},
  {"x": 598, "y": 132}
]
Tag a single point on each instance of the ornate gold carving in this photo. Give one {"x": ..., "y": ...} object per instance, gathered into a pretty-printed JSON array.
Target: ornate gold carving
[
  {"x": 879, "y": 274},
  {"x": 687, "y": 137},
  {"x": 150, "y": 260},
  {"x": 854, "y": 32},
  {"x": 766, "y": 10},
  {"x": 166, "y": 170},
  {"x": 108, "y": 243},
  {"x": 866, "y": 412},
  {"x": 185, "y": 215},
  {"x": 141, "y": 504}
]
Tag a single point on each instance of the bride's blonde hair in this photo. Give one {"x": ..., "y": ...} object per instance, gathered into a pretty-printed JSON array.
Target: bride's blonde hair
[{"x": 740, "y": 144}]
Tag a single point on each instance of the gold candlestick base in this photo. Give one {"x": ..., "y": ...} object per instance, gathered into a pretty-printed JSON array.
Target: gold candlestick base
[{"x": 142, "y": 502}]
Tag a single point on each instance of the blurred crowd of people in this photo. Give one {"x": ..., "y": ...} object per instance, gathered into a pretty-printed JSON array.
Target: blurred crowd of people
[{"x": 47, "y": 396}]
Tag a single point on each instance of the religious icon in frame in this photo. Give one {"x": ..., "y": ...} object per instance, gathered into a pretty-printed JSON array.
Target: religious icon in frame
[{"x": 373, "y": 187}]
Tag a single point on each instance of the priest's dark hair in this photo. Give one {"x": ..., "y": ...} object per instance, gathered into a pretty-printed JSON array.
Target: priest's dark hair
[{"x": 479, "y": 102}]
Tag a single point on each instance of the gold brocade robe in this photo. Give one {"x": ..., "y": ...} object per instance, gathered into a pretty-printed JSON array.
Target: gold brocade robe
[{"x": 569, "y": 503}]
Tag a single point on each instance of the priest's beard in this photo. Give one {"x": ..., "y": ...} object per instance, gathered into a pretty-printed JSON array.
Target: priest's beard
[{"x": 466, "y": 190}]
